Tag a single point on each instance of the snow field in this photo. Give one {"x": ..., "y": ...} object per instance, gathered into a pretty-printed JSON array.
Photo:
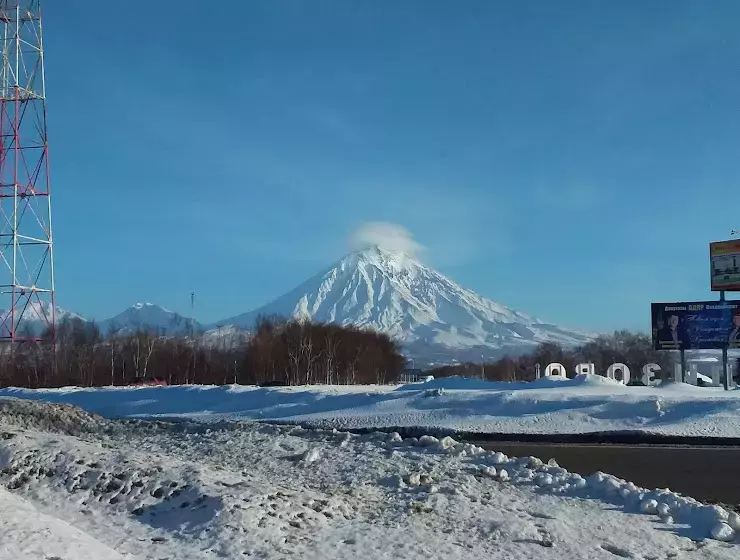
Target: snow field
[
  {"x": 585, "y": 404},
  {"x": 157, "y": 490}
]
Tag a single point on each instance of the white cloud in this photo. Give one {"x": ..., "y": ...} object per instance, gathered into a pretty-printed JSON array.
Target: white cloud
[{"x": 386, "y": 235}]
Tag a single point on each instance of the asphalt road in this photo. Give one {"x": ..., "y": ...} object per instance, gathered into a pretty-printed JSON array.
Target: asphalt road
[{"x": 710, "y": 474}]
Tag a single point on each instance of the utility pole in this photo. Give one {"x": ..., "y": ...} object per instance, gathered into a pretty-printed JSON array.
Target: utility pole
[
  {"x": 192, "y": 315},
  {"x": 192, "y": 329}
]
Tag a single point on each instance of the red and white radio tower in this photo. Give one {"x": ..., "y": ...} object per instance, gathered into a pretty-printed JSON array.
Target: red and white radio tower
[{"x": 27, "y": 268}]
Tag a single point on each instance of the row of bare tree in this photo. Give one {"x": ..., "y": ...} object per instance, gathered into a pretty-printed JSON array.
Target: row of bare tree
[
  {"x": 280, "y": 352},
  {"x": 303, "y": 353},
  {"x": 632, "y": 349}
]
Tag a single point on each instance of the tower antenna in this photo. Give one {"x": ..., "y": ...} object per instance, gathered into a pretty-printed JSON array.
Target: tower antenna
[{"x": 26, "y": 257}]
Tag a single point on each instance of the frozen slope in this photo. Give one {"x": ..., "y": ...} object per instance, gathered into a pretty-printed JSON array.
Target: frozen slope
[{"x": 397, "y": 294}]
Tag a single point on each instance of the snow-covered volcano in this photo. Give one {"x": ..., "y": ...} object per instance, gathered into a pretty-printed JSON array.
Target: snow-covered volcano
[{"x": 395, "y": 293}]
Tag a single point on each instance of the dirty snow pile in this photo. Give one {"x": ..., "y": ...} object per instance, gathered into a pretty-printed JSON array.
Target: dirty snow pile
[
  {"x": 587, "y": 403},
  {"x": 156, "y": 490}
]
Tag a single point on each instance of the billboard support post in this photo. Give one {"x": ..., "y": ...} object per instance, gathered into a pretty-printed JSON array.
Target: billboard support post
[
  {"x": 724, "y": 354},
  {"x": 683, "y": 365}
]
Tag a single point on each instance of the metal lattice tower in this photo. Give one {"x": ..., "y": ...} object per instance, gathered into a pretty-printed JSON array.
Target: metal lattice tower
[{"x": 26, "y": 263}]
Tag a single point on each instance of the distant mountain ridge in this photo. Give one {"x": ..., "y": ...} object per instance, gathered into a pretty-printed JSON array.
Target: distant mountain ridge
[
  {"x": 435, "y": 319},
  {"x": 151, "y": 317},
  {"x": 36, "y": 317},
  {"x": 140, "y": 316}
]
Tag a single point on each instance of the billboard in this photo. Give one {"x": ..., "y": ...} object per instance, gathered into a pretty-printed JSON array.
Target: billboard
[
  {"x": 725, "y": 259},
  {"x": 696, "y": 325}
]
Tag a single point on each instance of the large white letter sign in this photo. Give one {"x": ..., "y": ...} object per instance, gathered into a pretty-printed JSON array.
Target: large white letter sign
[
  {"x": 611, "y": 373},
  {"x": 555, "y": 369},
  {"x": 586, "y": 369},
  {"x": 731, "y": 373},
  {"x": 717, "y": 375},
  {"x": 648, "y": 374},
  {"x": 692, "y": 377}
]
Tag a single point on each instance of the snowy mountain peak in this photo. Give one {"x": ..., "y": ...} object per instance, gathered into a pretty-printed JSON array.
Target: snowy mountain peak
[
  {"x": 147, "y": 305},
  {"x": 150, "y": 317},
  {"x": 392, "y": 261},
  {"x": 392, "y": 264},
  {"x": 36, "y": 317},
  {"x": 394, "y": 293},
  {"x": 41, "y": 312}
]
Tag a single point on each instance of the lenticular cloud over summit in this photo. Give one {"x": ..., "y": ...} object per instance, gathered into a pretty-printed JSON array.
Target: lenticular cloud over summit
[{"x": 387, "y": 236}]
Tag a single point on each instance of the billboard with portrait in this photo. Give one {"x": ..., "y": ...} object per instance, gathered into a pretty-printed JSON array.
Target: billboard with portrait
[
  {"x": 725, "y": 265},
  {"x": 696, "y": 325}
]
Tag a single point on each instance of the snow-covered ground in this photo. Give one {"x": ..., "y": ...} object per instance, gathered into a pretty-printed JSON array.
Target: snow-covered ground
[
  {"x": 547, "y": 406},
  {"x": 28, "y": 534},
  {"x": 153, "y": 490}
]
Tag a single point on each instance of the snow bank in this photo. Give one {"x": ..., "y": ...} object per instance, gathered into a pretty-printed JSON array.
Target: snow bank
[
  {"x": 548, "y": 406},
  {"x": 64, "y": 418}
]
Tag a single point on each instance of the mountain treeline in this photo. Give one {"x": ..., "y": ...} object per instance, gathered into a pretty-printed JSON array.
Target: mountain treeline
[
  {"x": 280, "y": 352},
  {"x": 632, "y": 349}
]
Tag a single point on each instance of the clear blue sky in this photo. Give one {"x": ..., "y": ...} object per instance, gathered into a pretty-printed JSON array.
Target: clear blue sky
[{"x": 569, "y": 159}]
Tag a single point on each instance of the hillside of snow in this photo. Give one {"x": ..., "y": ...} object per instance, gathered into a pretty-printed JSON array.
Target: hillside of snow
[
  {"x": 396, "y": 294},
  {"x": 154, "y": 490}
]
